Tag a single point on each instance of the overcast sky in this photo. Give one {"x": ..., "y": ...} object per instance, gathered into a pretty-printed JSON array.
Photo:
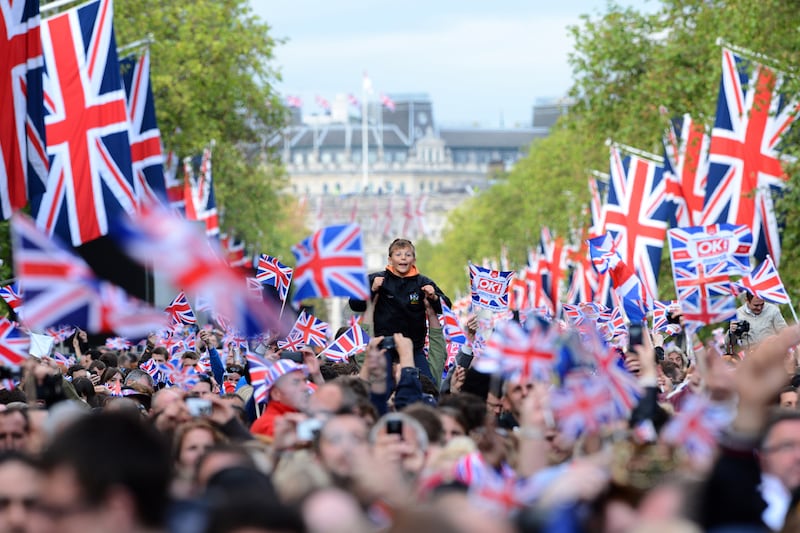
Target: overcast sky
[{"x": 477, "y": 60}]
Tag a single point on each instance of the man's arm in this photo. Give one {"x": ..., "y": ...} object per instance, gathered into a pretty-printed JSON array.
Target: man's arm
[{"x": 437, "y": 352}]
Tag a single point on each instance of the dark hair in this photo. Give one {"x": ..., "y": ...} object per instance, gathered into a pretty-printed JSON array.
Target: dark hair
[
  {"x": 21, "y": 410},
  {"x": 10, "y": 396},
  {"x": 110, "y": 359},
  {"x": 429, "y": 419},
  {"x": 109, "y": 373},
  {"x": 777, "y": 415},
  {"x": 93, "y": 354},
  {"x": 472, "y": 407},
  {"x": 107, "y": 450},
  {"x": 74, "y": 368},
  {"x": 83, "y": 388},
  {"x": 99, "y": 365},
  {"x": 161, "y": 350}
]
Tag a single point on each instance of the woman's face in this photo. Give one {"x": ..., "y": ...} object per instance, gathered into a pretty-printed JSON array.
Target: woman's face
[
  {"x": 195, "y": 442},
  {"x": 451, "y": 428},
  {"x": 114, "y": 380}
]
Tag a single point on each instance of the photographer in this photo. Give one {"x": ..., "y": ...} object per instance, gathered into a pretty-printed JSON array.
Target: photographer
[{"x": 756, "y": 320}]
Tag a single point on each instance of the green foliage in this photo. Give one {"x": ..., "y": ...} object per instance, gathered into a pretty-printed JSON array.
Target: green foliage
[
  {"x": 213, "y": 75},
  {"x": 626, "y": 64}
]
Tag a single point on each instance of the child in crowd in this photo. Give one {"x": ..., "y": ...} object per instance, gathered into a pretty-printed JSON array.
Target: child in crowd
[{"x": 402, "y": 295}]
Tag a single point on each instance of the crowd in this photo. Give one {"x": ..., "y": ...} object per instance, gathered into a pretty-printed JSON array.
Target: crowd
[{"x": 396, "y": 439}]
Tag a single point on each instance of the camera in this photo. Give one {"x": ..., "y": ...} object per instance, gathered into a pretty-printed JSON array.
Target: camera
[
  {"x": 635, "y": 335},
  {"x": 672, "y": 319},
  {"x": 394, "y": 427},
  {"x": 742, "y": 328},
  {"x": 10, "y": 373},
  {"x": 391, "y": 348},
  {"x": 308, "y": 429},
  {"x": 199, "y": 406}
]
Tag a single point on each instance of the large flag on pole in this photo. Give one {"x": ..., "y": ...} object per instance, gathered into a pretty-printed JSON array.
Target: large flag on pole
[
  {"x": 765, "y": 283},
  {"x": 146, "y": 156},
  {"x": 23, "y": 157},
  {"x": 273, "y": 272},
  {"x": 745, "y": 164},
  {"x": 636, "y": 214},
  {"x": 605, "y": 257},
  {"x": 201, "y": 204},
  {"x": 686, "y": 169},
  {"x": 331, "y": 263},
  {"x": 90, "y": 179}
]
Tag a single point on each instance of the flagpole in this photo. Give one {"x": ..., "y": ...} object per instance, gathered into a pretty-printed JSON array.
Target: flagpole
[
  {"x": 765, "y": 59},
  {"x": 365, "y": 91},
  {"x": 147, "y": 41},
  {"x": 635, "y": 151}
]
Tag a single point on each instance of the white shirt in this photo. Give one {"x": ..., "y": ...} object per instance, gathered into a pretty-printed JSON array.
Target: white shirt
[
  {"x": 768, "y": 322},
  {"x": 778, "y": 499}
]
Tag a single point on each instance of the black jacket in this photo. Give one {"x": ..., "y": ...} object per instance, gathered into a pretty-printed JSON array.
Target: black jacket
[{"x": 400, "y": 308}]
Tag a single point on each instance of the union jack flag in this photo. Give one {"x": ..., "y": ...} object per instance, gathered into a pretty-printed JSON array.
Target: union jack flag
[
  {"x": 388, "y": 217},
  {"x": 627, "y": 285},
  {"x": 387, "y": 102},
  {"x": 705, "y": 294},
  {"x": 294, "y": 101},
  {"x": 515, "y": 352},
  {"x": 637, "y": 213},
  {"x": 765, "y": 283},
  {"x": 146, "y": 155},
  {"x": 272, "y": 272},
  {"x": 60, "y": 333},
  {"x": 353, "y": 99},
  {"x": 23, "y": 159},
  {"x": 555, "y": 254},
  {"x": 451, "y": 327},
  {"x": 60, "y": 288},
  {"x": 745, "y": 165},
  {"x": 598, "y": 194},
  {"x": 489, "y": 287},
  {"x": 347, "y": 344},
  {"x": 582, "y": 404},
  {"x": 259, "y": 371},
  {"x": 200, "y": 202},
  {"x": 12, "y": 296},
  {"x": 310, "y": 329},
  {"x": 660, "y": 311},
  {"x": 498, "y": 492},
  {"x": 694, "y": 428},
  {"x": 323, "y": 103},
  {"x": 151, "y": 367},
  {"x": 712, "y": 244},
  {"x": 14, "y": 344},
  {"x": 234, "y": 252},
  {"x": 184, "y": 256},
  {"x": 180, "y": 311},
  {"x": 91, "y": 178},
  {"x": 583, "y": 282},
  {"x": 185, "y": 378},
  {"x": 292, "y": 343},
  {"x": 578, "y": 314},
  {"x": 623, "y": 386},
  {"x": 686, "y": 169},
  {"x": 174, "y": 186},
  {"x": 331, "y": 263},
  {"x": 118, "y": 343}
]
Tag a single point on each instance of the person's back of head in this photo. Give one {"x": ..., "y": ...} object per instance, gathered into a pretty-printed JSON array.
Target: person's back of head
[
  {"x": 140, "y": 377},
  {"x": 429, "y": 419},
  {"x": 114, "y": 467},
  {"x": 111, "y": 359}
]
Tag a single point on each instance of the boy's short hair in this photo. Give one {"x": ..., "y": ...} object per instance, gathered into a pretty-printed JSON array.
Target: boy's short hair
[{"x": 401, "y": 243}]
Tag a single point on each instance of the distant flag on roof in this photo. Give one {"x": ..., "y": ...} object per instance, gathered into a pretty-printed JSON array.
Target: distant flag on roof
[
  {"x": 294, "y": 101},
  {"x": 387, "y": 102}
]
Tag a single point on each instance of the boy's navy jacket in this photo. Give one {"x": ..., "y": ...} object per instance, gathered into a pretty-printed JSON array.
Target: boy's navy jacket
[{"x": 400, "y": 308}]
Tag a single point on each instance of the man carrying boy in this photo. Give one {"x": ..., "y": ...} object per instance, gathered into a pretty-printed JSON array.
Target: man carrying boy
[{"x": 402, "y": 293}]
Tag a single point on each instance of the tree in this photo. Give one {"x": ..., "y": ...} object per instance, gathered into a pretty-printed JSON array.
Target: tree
[
  {"x": 213, "y": 77},
  {"x": 626, "y": 65}
]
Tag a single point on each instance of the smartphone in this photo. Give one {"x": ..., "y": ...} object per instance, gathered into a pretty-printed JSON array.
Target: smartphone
[
  {"x": 199, "y": 407},
  {"x": 464, "y": 360},
  {"x": 635, "y": 332},
  {"x": 297, "y": 357},
  {"x": 394, "y": 427}
]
